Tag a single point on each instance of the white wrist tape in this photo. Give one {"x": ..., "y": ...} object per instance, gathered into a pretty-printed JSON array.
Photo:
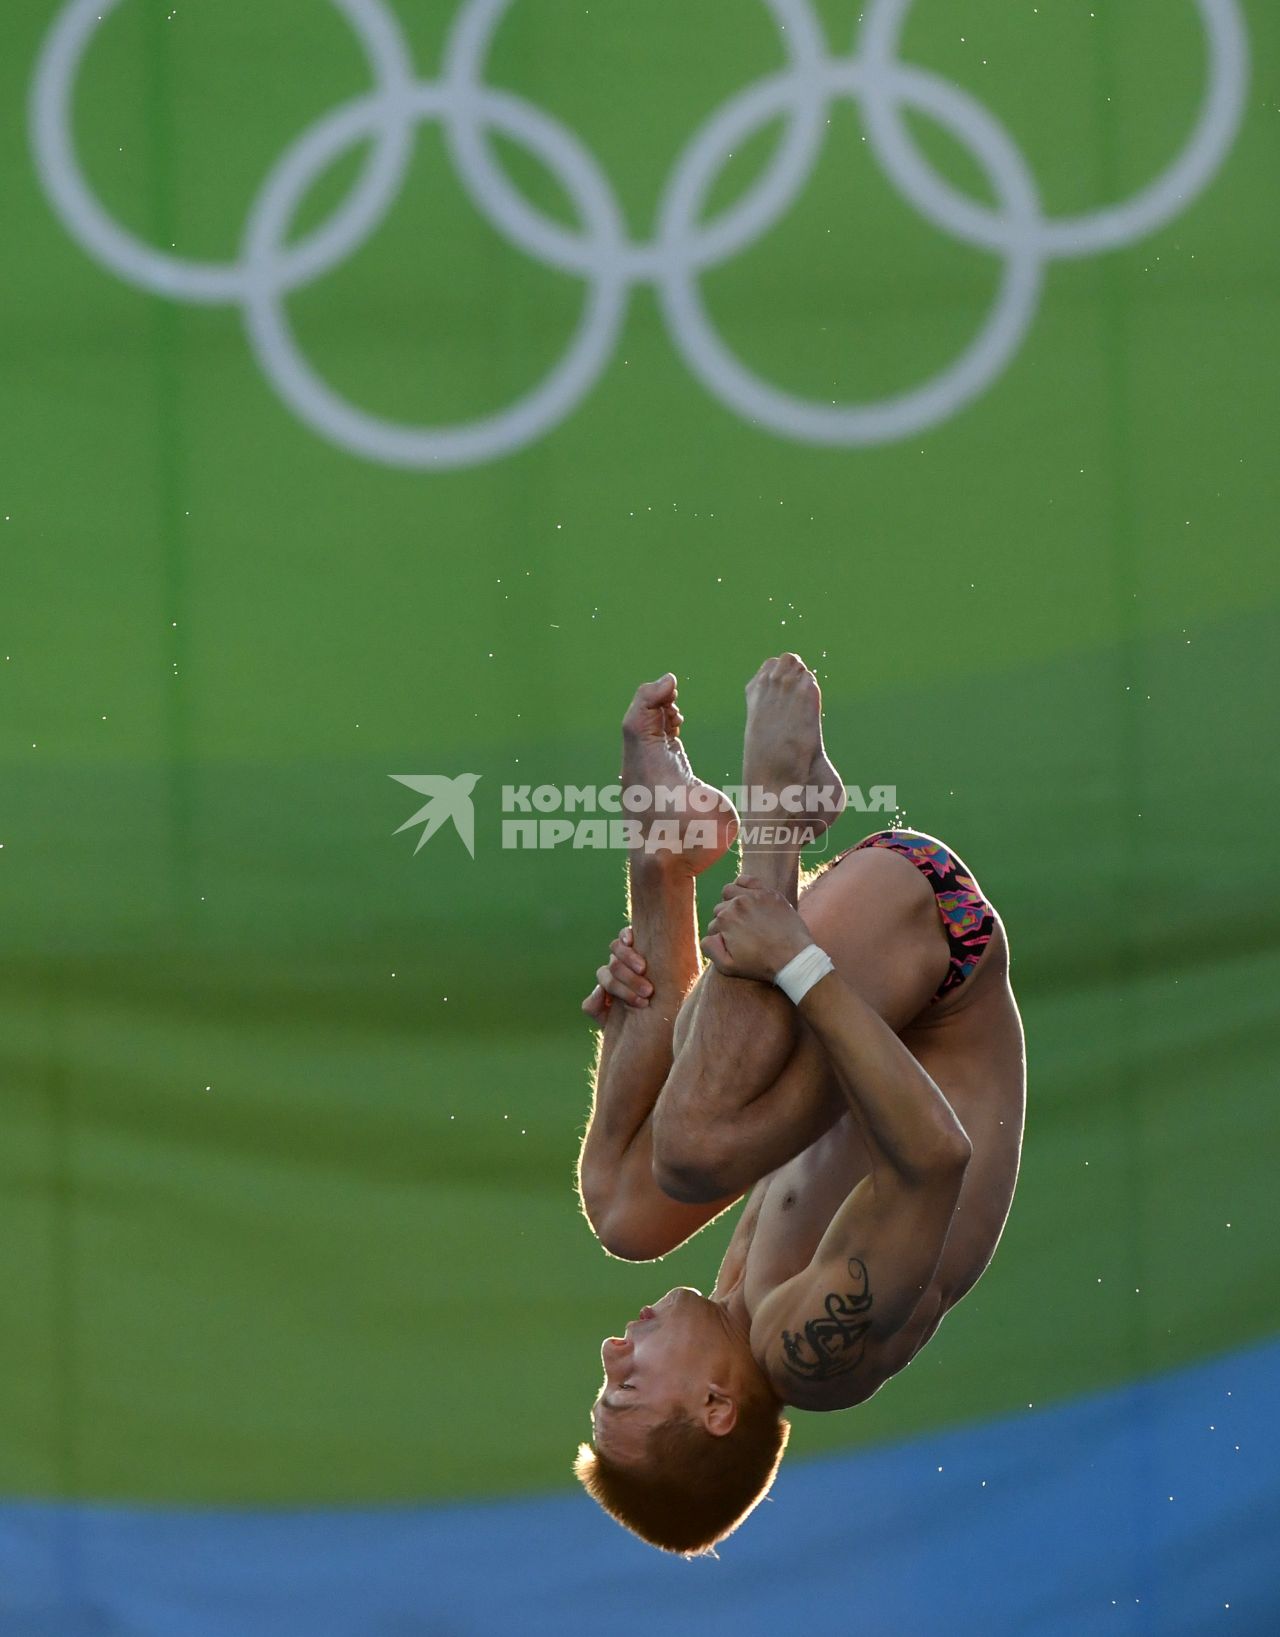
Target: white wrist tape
[{"x": 800, "y": 973}]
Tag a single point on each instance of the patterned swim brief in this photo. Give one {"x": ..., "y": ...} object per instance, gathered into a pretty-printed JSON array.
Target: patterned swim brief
[{"x": 967, "y": 918}]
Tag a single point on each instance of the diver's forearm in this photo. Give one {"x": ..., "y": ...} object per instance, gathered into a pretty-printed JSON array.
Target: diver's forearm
[
  {"x": 636, "y": 1046},
  {"x": 910, "y": 1122}
]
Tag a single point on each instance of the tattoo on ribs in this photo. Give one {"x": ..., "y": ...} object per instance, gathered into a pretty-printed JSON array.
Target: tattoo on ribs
[{"x": 833, "y": 1345}]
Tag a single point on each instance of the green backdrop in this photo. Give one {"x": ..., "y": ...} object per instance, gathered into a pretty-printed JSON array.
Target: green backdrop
[{"x": 290, "y": 1113}]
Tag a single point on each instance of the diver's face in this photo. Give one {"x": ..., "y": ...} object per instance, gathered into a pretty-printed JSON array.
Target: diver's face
[{"x": 663, "y": 1362}]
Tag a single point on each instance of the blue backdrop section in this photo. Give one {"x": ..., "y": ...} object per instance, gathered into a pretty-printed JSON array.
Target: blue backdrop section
[{"x": 1151, "y": 1509}]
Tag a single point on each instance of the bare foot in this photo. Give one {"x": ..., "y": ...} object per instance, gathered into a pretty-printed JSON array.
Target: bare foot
[
  {"x": 783, "y": 748},
  {"x": 699, "y": 820}
]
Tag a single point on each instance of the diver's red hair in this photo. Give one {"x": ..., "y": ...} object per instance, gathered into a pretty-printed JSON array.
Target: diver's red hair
[{"x": 693, "y": 1488}]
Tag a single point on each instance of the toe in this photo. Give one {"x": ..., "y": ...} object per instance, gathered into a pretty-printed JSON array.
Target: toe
[
  {"x": 651, "y": 703},
  {"x": 660, "y": 692}
]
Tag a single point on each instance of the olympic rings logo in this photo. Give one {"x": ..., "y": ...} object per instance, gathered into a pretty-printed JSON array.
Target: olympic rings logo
[{"x": 599, "y": 250}]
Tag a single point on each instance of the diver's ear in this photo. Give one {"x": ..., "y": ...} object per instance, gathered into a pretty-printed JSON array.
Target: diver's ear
[{"x": 719, "y": 1412}]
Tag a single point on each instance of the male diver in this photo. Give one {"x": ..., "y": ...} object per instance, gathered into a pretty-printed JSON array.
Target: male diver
[{"x": 851, "y": 1059}]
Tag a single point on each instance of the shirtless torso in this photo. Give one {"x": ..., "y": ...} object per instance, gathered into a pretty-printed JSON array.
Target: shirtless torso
[{"x": 971, "y": 1045}]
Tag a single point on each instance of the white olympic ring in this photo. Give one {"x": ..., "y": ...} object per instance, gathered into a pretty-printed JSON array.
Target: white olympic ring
[{"x": 599, "y": 249}]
